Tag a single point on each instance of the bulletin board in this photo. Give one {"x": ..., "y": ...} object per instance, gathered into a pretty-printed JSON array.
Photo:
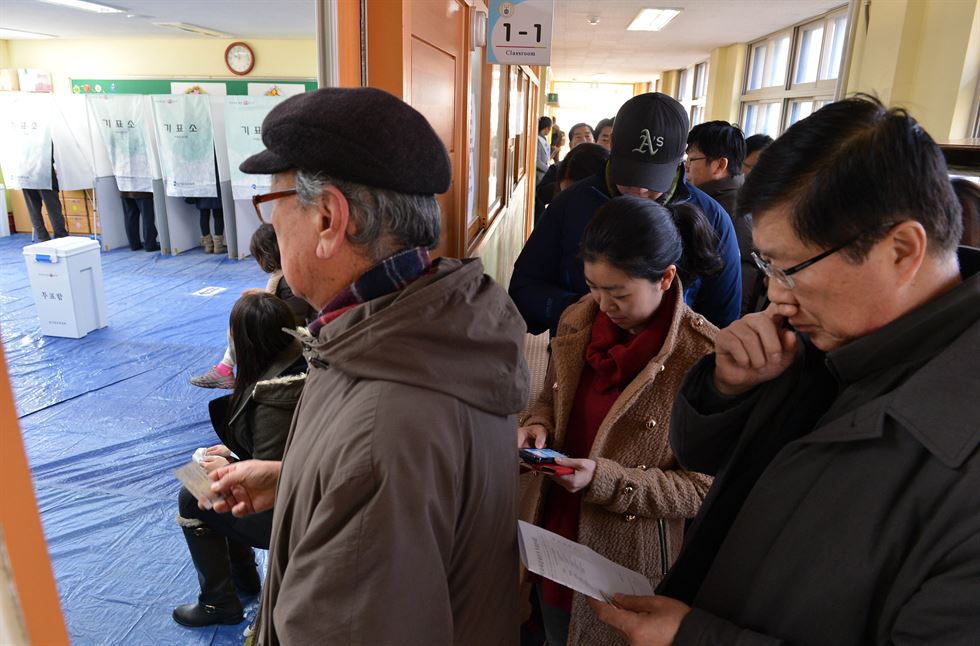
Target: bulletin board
[{"x": 163, "y": 86}]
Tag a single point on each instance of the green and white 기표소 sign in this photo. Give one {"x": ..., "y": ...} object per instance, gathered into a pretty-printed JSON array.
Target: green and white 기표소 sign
[
  {"x": 25, "y": 133},
  {"x": 186, "y": 142},
  {"x": 243, "y": 128},
  {"x": 119, "y": 119}
]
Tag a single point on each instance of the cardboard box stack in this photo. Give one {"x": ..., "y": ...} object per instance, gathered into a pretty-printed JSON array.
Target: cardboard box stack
[{"x": 78, "y": 207}]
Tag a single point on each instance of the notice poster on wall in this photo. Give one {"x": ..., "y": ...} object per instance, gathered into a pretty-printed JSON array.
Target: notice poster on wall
[
  {"x": 186, "y": 141},
  {"x": 25, "y": 131},
  {"x": 121, "y": 125},
  {"x": 276, "y": 89},
  {"x": 198, "y": 87},
  {"x": 243, "y": 125}
]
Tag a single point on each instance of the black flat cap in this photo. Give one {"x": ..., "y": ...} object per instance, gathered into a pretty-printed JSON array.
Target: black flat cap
[{"x": 363, "y": 135}]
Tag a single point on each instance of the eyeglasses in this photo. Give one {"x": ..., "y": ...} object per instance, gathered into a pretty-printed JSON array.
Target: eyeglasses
[
  {"x": 264, "y": 203},
  {"x": 690, "y": 160},
  {"x": 784, "y": 276}
]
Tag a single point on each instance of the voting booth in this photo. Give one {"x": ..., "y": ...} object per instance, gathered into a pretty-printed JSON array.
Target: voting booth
[{"x": 66, "y": 282}]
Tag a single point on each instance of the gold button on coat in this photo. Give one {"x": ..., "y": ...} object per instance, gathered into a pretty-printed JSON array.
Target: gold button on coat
[
  {"x": 630, "y": 518},
  {"x": 651, "y": 423},
  {"x": 628, "y": 489},
  {"x": 554, "y": 386}
]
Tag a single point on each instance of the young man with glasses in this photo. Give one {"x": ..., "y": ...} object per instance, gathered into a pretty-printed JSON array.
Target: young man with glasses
[
  {"x": 713, "y": 160},
  {"x": 843, "y": 422},
  {"x": 395, "y": 501}
]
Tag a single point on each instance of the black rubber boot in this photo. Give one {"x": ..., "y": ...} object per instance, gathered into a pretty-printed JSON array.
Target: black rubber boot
[
  {"x": 244, "y": 573},
  {"x": 218, "y": 603}
]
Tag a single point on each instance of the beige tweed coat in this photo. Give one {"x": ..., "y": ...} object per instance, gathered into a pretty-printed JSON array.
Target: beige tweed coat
[{"x": 633, "y": 512}]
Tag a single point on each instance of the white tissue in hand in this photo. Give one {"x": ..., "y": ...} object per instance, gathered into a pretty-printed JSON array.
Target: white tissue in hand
[{"x": 199, "y": 455}]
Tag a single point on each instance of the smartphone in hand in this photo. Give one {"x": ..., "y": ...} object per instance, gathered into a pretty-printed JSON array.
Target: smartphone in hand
[{"x": 543, "y": 460}]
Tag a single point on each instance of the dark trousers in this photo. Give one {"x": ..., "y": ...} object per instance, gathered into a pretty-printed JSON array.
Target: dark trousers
[
  {"x": 133, "y": 209},
  {"x": 219, "y": 222},
  {"x": 254, "y": 530},
  {"x": 34, "y": 197}
]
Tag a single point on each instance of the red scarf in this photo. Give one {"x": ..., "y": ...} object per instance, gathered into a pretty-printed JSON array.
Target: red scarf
[{"x": 613, "y": 359}]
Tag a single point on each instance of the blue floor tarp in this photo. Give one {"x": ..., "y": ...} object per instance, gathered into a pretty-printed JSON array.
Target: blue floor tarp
[{"x": 106, "y": 420}]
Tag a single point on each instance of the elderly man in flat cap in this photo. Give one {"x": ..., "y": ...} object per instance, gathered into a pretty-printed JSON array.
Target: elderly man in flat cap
[{"x": 395, "y": 503}]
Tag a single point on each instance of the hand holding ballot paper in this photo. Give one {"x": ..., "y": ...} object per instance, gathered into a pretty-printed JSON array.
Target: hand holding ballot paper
[
  {"x": 640, "y": 617},
  {"x": 576, "y": 566}
]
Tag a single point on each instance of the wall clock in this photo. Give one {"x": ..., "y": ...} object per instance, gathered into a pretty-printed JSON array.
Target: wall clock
[{"x": 239, "y": 58}]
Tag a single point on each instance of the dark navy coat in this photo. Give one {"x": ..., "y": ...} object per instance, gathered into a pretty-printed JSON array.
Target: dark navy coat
[{"x": 549, "y": 276}]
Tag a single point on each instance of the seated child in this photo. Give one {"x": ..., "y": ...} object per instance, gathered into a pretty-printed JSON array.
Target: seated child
[{"x": 265, "y": 249}]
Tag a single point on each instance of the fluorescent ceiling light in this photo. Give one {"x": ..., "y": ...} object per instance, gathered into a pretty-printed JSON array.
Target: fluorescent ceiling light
[
  {"x": 652, "y": 19},
  {"x": 84, "y": 5},
  {"x": 17, "y": 34},
  {"x": 193, "y": 29}
]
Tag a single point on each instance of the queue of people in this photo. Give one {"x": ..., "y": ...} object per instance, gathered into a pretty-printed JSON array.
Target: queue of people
[{"x": 800, "y": 469}]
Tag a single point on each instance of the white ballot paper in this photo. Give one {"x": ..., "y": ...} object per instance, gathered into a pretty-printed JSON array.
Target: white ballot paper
[{"x": 576, "y": 566}]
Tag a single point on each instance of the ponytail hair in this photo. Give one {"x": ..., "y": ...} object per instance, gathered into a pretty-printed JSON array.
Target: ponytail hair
[
  {"x": 643, "y": 238},
  {"x": 701, "y": 257}
]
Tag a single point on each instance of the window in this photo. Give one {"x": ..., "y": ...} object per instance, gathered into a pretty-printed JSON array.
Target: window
[
  {"x": 697, "y": 115},
  {"x": 692, "y": 90},
  {"x": 495, "y": 183},
  {"x": 757, "y": 67},
  {"x": 682, "y": 86},
  {"x": 473, "y": 210},
  {"x": 777, "y": 62},
  {"x": 808, "y": 55},
  {"x": 835, "y": 47},
  {"x": 762, "y": 118},
  {"x": 792, "y": 73},
  {"x": 803, "y": 108},
  {"x": 700, "y": 80}
]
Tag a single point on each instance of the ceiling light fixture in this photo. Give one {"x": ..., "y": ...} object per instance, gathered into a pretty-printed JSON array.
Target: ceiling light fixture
[
  {"x": 94, "y": 7},
  {"x": 652, "y": 19},
  {"x": 593, "y": 20},
  {"x": 17, "y": 34},
  {"x": 193, "y": 29}
]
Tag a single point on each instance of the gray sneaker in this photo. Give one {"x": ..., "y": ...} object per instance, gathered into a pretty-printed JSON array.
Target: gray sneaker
[{"x": 214, "y": 379}]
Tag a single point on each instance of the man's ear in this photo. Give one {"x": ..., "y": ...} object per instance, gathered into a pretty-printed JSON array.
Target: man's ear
[
  {"x": 908, "y": 247},
  {"x": 720, "y": 166},
  {"x": 333, "y": 220}
]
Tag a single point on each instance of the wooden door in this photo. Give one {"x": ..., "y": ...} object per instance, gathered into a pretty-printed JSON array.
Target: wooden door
[{"x": 437, "y": 88}]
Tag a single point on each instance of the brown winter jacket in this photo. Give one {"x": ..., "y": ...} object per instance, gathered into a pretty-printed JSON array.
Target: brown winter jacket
[
  {"x": 396, "y": 509},
  {"x": 633, "y": 512}
]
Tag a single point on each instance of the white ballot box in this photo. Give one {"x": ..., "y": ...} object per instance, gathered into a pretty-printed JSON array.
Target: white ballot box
[{"x": 66, "y": 280}]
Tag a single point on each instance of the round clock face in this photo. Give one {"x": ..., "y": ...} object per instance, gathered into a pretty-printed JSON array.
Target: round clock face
[{"x": 239, "y": 58}]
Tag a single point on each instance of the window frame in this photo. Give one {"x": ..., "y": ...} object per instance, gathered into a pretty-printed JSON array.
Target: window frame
[
  {"x": 688, "y": 81},
  {"x": 790, "y": 92}
]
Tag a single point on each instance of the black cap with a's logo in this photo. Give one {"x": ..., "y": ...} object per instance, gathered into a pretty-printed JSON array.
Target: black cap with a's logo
[{"x": 648, "y": 141}]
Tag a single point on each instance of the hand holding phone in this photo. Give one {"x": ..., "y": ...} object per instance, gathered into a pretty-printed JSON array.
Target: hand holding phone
[{"x": 543, "y": 460}]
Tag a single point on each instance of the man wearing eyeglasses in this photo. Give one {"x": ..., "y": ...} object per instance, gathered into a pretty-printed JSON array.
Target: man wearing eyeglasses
[
  {"x": 843, "y": 422},
  {"x": 395, "y": 502},
  {"x": 713, "y": 160}
]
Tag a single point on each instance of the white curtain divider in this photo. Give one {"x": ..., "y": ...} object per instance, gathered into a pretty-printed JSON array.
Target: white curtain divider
[
  {"x": 186, "y": 144},
  {"x": 25, "y": 139},
  {"x": 73, "y": 152},
  {"x": 120, "y": 120}
]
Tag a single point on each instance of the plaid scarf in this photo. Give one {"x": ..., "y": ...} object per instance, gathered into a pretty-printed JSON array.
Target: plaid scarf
[{"x": 390, "y": 275}]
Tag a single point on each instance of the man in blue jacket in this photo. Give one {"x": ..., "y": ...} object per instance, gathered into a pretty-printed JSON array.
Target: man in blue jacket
[{"x": 649, "y": 138}]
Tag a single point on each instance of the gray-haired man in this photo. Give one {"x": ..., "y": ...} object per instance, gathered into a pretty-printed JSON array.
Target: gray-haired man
[{"x": 395, "y": 503}]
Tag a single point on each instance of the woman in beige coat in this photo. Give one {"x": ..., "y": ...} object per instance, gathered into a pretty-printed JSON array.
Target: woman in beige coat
[{"x": 616, "y": 364}]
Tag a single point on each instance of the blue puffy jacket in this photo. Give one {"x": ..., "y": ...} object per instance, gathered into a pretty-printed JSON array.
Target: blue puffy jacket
[{"x": 548, "y": 275}]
